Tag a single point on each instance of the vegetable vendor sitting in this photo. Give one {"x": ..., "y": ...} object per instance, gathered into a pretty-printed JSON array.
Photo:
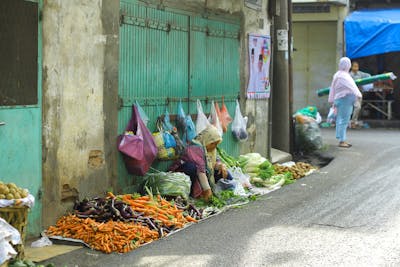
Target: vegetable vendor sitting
[{"x": 199, "y": 161}]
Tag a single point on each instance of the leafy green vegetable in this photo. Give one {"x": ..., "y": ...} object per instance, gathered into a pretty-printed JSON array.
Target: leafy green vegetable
[
  {"x": 266, "y": 165},
  {"x": 217, "y": 202},
  {"x": 226, "y": 194},
  {"x": 169, "y": 183},
  {"x": 253, "y": 197},
  {"x": 289, "y": 178},
  {"x": 265, "y": 174},
  {"x": 227, "y": 159}
]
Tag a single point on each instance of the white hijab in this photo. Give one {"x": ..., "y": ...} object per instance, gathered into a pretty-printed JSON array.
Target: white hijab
[{"x": 342, "y": 79}]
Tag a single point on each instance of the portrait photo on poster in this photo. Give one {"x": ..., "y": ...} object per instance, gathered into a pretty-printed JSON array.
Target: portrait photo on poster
[{"x": 259, "y": 60}]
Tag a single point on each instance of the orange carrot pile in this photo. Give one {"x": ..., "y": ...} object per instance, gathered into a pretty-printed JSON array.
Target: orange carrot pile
[
  {"x": 112, "y": 236},
  {"x": 159, "y": 209},
  {"x": 155, "y": 218}
]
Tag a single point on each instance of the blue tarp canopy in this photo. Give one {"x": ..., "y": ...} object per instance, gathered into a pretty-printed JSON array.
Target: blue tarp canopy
[{"x": 371, "y": 32}]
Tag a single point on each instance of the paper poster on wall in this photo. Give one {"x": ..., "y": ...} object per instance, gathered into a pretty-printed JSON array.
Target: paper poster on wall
[
  {"x": 254, "y": 4},
  {"x": 259, "y": 86},
  {"x": 282, "y": 38}
]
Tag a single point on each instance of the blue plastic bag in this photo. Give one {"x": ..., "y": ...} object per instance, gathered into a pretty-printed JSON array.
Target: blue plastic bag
[
  {"x": 190, "y": 130},
  {"x": 142, "y": 113},
  {"x": 169, "y": 140},
  {"x": 181, "y": 117},
  {"x": 167, "y": 122}
]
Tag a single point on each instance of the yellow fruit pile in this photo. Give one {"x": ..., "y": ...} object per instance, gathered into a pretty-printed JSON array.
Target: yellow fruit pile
[{"x": 12, "y": 191}]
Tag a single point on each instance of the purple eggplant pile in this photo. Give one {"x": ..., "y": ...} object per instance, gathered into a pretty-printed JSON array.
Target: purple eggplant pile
[{"x": 104, "y": 209}]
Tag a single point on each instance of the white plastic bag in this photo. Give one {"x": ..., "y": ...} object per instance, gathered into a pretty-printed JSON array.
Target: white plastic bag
[
  {"x": 42, "y": 242},
  {"x": 331, "y": 115},
  {"x": 214, "y": 120},
  {"x": 243, "y": 178},
  {"x": 201, "y": 121},
  {"x": 318, "y": 118},
  {"x": 8, "y": 234},
  {"x": 239, "y": 125}
]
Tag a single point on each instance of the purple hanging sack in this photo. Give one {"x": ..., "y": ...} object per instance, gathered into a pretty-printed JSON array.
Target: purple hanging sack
[{"x": 138, "y": 150}]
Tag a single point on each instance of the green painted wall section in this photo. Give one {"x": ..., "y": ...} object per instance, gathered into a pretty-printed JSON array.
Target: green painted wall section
[
  {"x": 21, "y": 145},
  {"x": 166, "y": 57},
  {"x": 21, "y": 155},
  {"x": 214, "y": 68},
  {"x": 153, "y": 68}
]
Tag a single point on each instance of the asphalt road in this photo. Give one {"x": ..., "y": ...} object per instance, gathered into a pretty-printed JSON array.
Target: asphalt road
[{"x": 346, "y": 214}]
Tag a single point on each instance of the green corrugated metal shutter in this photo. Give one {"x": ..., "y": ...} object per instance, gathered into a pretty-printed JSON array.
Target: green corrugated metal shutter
[
  {"x": 214, "y": 68},
  {"x": 154, "y": 67}
]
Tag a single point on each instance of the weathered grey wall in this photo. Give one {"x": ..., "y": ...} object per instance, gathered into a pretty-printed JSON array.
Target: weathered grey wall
[
  {"x": 257, "y": 110},
  {"x": 80, "y": 57}
]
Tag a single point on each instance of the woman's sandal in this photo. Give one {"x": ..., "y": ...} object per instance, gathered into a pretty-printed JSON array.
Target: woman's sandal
[{"x": 344, "y": 144}]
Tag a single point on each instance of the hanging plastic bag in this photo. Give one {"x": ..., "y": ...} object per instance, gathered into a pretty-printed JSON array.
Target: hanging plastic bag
[
  {"x": 142, "y": 113},
  {"x": 131, "y": 145},
  {"x": 223, "y": 115},
  {"x": 165, "y": 142},
  {"x": 214, "y": 120},
  {"x": 218, "y": 110},
  {"x": 167, "y": 122},
  {"x": 172, "y": 132},
  {"x": 180, "y": 147},
  {"x": 138, "y": 150},
  {"x": 239, "y": 125},
  {"x": 318, "y": 118},
  {"x": 190, "y": 130},
  {"x": 201, "y": 121},
  {"x": 181, "y": 117},
  {"x": 331, "y": 118},
  {"x": 168, "y": 143}
]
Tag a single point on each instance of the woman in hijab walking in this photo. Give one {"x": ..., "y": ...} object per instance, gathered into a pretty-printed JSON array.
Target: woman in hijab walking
[{"x": 342, "y": 94}]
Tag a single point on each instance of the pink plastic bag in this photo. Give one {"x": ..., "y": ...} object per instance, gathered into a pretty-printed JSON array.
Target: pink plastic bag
[
  {"x": 131, "y": 145},
  {"x": 138, "y": 150},
  {"x": 223, "y": 115}
]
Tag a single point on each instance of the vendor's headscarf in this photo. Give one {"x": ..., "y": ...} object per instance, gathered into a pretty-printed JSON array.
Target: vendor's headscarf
[
  {"x": 208, "y": 136},
  {"x": 342, "y": 78}
]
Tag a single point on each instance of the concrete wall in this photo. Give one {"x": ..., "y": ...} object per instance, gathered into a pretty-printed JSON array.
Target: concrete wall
[
  {"x": 256, "y": 110},
  {"x": 80, "y": 60},
  {"x": 80, "y": 93},
  {"x": 336, "y": 15}
]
